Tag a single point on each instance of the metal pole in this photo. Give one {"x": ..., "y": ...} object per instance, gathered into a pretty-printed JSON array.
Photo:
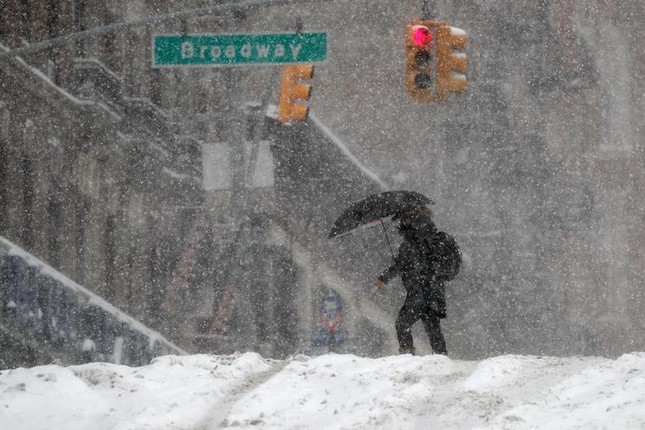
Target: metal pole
[
  {"x": 425, "y": 10},
  {"x": 258, "y": 128},
  {"x": 235, "y": 281}
]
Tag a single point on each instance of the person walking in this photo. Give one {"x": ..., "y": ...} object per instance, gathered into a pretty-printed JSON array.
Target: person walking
[{"x": 427, "y": 258}]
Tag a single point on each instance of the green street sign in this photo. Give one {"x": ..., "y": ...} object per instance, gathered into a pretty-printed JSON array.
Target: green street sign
[{"x": 216, "y": 50}]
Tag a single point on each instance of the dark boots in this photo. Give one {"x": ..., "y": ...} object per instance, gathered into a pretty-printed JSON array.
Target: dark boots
[{"x": 406, "y": 350}]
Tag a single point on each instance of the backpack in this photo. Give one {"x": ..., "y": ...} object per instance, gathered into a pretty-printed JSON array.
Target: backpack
[{"x": 444, "y": 256}]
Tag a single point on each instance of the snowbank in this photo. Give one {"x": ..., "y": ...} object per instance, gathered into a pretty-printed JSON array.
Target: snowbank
[{"x": 331, "y": 392}]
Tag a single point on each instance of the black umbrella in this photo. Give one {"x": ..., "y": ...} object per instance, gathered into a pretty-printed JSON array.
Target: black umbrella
[{"x": 375, "y": 208}]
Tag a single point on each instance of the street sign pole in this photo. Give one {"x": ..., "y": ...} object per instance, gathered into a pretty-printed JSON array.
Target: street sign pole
[{"x": 230, "y": 50}]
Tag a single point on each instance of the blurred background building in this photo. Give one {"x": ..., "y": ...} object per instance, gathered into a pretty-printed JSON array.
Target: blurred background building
[{"x": 136, "y": 182}]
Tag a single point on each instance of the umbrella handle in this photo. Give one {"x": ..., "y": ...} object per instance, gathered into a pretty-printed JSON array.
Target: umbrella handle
[{"x": 388, "y": 240}]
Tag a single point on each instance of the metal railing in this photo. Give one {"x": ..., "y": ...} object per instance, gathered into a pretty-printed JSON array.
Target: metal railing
[{"x": 63, "y": 321}]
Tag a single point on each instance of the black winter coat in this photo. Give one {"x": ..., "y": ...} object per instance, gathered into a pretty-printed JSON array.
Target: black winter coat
[
  {"x": 412, "y": 264},
  {"x": 421, "y": 263}
]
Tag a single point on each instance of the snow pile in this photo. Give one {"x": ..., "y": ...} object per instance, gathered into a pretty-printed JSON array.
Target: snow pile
[{"x": 329, "y": 391}]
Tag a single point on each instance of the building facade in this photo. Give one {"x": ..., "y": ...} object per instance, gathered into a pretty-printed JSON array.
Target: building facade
[
  {"x": 87, "y": 172},
  {"x": 537, "y": 169}
]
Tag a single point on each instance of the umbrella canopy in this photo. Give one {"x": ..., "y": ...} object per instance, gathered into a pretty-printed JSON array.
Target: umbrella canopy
[{"x": 377, "y": 207}]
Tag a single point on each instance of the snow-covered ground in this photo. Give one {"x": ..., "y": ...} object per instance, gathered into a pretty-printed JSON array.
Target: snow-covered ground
[{"x": 330, "y": 392}]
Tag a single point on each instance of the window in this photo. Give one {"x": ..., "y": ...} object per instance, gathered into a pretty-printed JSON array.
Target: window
[
  {"x": 79, "y": 23},
  {"x": 25, "y": 19},
  {"x": 79, "y": 14},
  {"x": 4, "y": 142}
]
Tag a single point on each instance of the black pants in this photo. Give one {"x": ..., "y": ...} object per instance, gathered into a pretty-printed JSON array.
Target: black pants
[{"x": 413, "y": 310}]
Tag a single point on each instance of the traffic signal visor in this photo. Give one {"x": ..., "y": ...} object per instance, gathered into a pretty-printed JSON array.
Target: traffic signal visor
[
  {"x": 451, "y": 60},
  {"x": 420, "y": 35}
]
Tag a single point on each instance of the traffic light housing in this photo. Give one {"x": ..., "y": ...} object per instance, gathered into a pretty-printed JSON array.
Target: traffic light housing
[
  {"x": 293, "y": 93},
  {"x": 451, "y": 60},
  {"x": 435, "y": 60},
  {"x": 420, "y": 61}
]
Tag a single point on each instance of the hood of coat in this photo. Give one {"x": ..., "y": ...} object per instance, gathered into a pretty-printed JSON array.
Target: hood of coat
[{"x": 417, "y": 224}]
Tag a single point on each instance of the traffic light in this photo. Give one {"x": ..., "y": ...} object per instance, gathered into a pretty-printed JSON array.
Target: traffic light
[
  {"x": 293, "y": 93},
  {"x": 451, "y": 60},
  {"x": 420, "y": 62},
  {"x": 435, "y": 60}
]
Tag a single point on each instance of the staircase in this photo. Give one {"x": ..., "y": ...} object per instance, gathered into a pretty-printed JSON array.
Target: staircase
[{"x": 46, "y": 317}]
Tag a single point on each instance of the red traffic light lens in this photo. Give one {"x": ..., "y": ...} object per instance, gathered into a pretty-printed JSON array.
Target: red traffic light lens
[{"x": 421, "y": 35}]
